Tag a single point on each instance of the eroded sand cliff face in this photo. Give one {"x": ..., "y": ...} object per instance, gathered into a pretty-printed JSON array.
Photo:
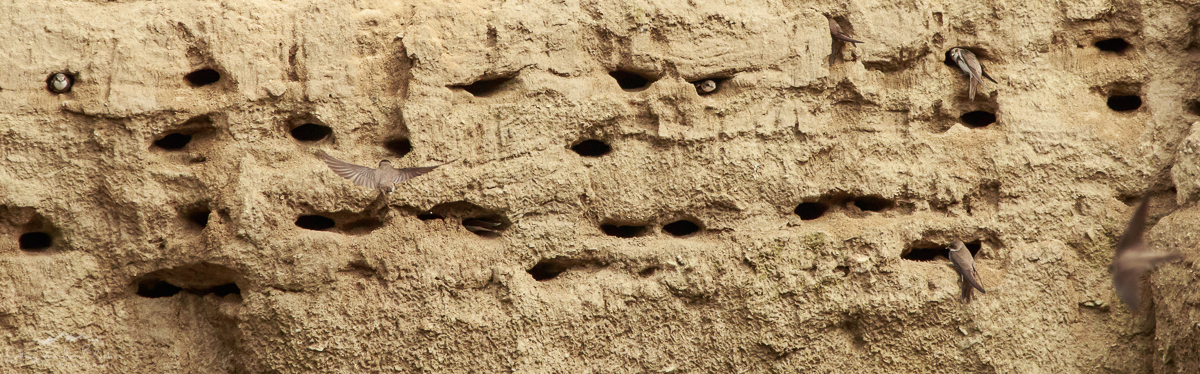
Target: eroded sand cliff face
[{"x": 153, "y": 220}]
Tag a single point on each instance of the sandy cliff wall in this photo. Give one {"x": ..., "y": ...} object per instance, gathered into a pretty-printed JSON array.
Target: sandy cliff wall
[{"x": 169, "y": 213}]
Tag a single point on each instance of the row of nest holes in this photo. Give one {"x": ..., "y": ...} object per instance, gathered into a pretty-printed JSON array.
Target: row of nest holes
[
  {"x": 550, "y": 268},
  {"x": 680, "y": 228},
  {"x": 628, "y": 80},
  {"x": 490, "y": 226},
  {"x": 811, "y": 210},
  {"x": 197, "y": 279},
  {"x": 313, "y": 132},
  {"x": 37, "y": 241},
  {"x": 198, "y": 78}
]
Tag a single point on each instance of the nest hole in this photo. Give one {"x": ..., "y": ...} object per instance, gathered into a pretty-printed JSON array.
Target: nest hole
[
  {"x": 225, "y": 290},
  {"x": 173, "y": 141},
  {"x": 1193, "y": 107},
  {"x": 429, "y": 216},
  {"x": 197, "y": 279},
  {"x": 591, "y": 148},
  {"x": 156, "y": 288},
  {"x": 978, "y": 119},
  {"x": 199, "y": 216},
  {"x": 549, "y": 269},
  {"x": 1124, "y": 103},
  {"x": 311, "y": 132},
  {"x": 315, "y": 222},
  {"x": 51, "y": 85},
  {"x": 623, "y": 231},
  {"x": 648, "y": 271},
  {"x": 925, "y": 253},
  {"x": 485, "y": 88},
  {"x": 811, "y": 210},
  {"x": 487, "y": 227},
  {"x": 34, "y": 241},
  {"x": 705, "y": 88},
  {"x": 630, "y": 81},
  {"x": 842, "y": 271},
  {"x": 681, "y": 228},
  {"x": 399, "y": 146},
  {"x": 873, "y": 203},
  {"x": 1115, "y": 45},
  {"x": 202, "y": 77}
]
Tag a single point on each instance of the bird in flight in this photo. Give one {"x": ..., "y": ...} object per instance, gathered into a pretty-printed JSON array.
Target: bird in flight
[
  {"x": 385, "y": 178},
  {"x": 1133, "y": 258}
]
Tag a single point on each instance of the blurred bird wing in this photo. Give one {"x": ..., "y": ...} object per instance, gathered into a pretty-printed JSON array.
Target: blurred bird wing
[
  {"x": 410, "y": 173},
  {"x": 360, "y": 175},
  {"x": 1131, "y": 239},
  {"x": 1127, "y": 281}
]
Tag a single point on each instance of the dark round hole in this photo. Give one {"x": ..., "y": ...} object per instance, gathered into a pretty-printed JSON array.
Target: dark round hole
[
  {"x": 199, "y": 217},
  {"x": 648, "y": 271},
  {"x": 173, "y": 141},
  {"x": 591, "y": 148},
  {"x": 226, "y": 289},
  {"x": 873, "y": 203},
  {"x": 974, "y": 246},
  {"x": 681, "y": 228},
  {"x": 1116, "y": 45},
  {"x": 925, "y": 253},
  {"x": 399, "y": 146},
  {"x": 630, "y": 81},
  {"x": 1193, "y": 107},
  {"x": 978, "y": 119},
  {"x": 623, "y": 231},
  {"x": 548, "y": 269},
  {"x": 429, "y": 216},
  {"x": 485, "y": 88},
  {"x": 315, "y": 222},
  {"x": 34, "y": 241},
  {"x": 56, "y": 87},
  {"x": 811, "y": 210},
  {"x": 155, "y": 288},
  {"x": 842, "y": 270},
  {"x": 311, "y": 132},
  {"x": 202, "y": 77},
  {"x": 1124, "y": 103}
]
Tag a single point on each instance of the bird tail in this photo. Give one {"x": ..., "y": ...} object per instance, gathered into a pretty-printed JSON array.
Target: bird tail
[
  {"x": 845, "y": 38},
  {"x": 967, "y": 289}
]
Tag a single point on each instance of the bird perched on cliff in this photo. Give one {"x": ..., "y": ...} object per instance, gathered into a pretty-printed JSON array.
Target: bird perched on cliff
[
  {"x": 60, "y": 83},
  {"x": 971, "y": 68},
  {"x": 839, "y": 40},
  {"x": 385, "y": 178},
  {"x": 1133, "y": 258},
  {"x": 706, "y": 86},
  {"x": 964, "y": 264}
]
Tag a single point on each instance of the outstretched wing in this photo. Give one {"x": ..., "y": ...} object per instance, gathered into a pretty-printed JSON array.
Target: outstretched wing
[
  {"x": 1132, "y": 238},
  {"x": 410, "y": 173},
  {"x": 360, "y": 175}
]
